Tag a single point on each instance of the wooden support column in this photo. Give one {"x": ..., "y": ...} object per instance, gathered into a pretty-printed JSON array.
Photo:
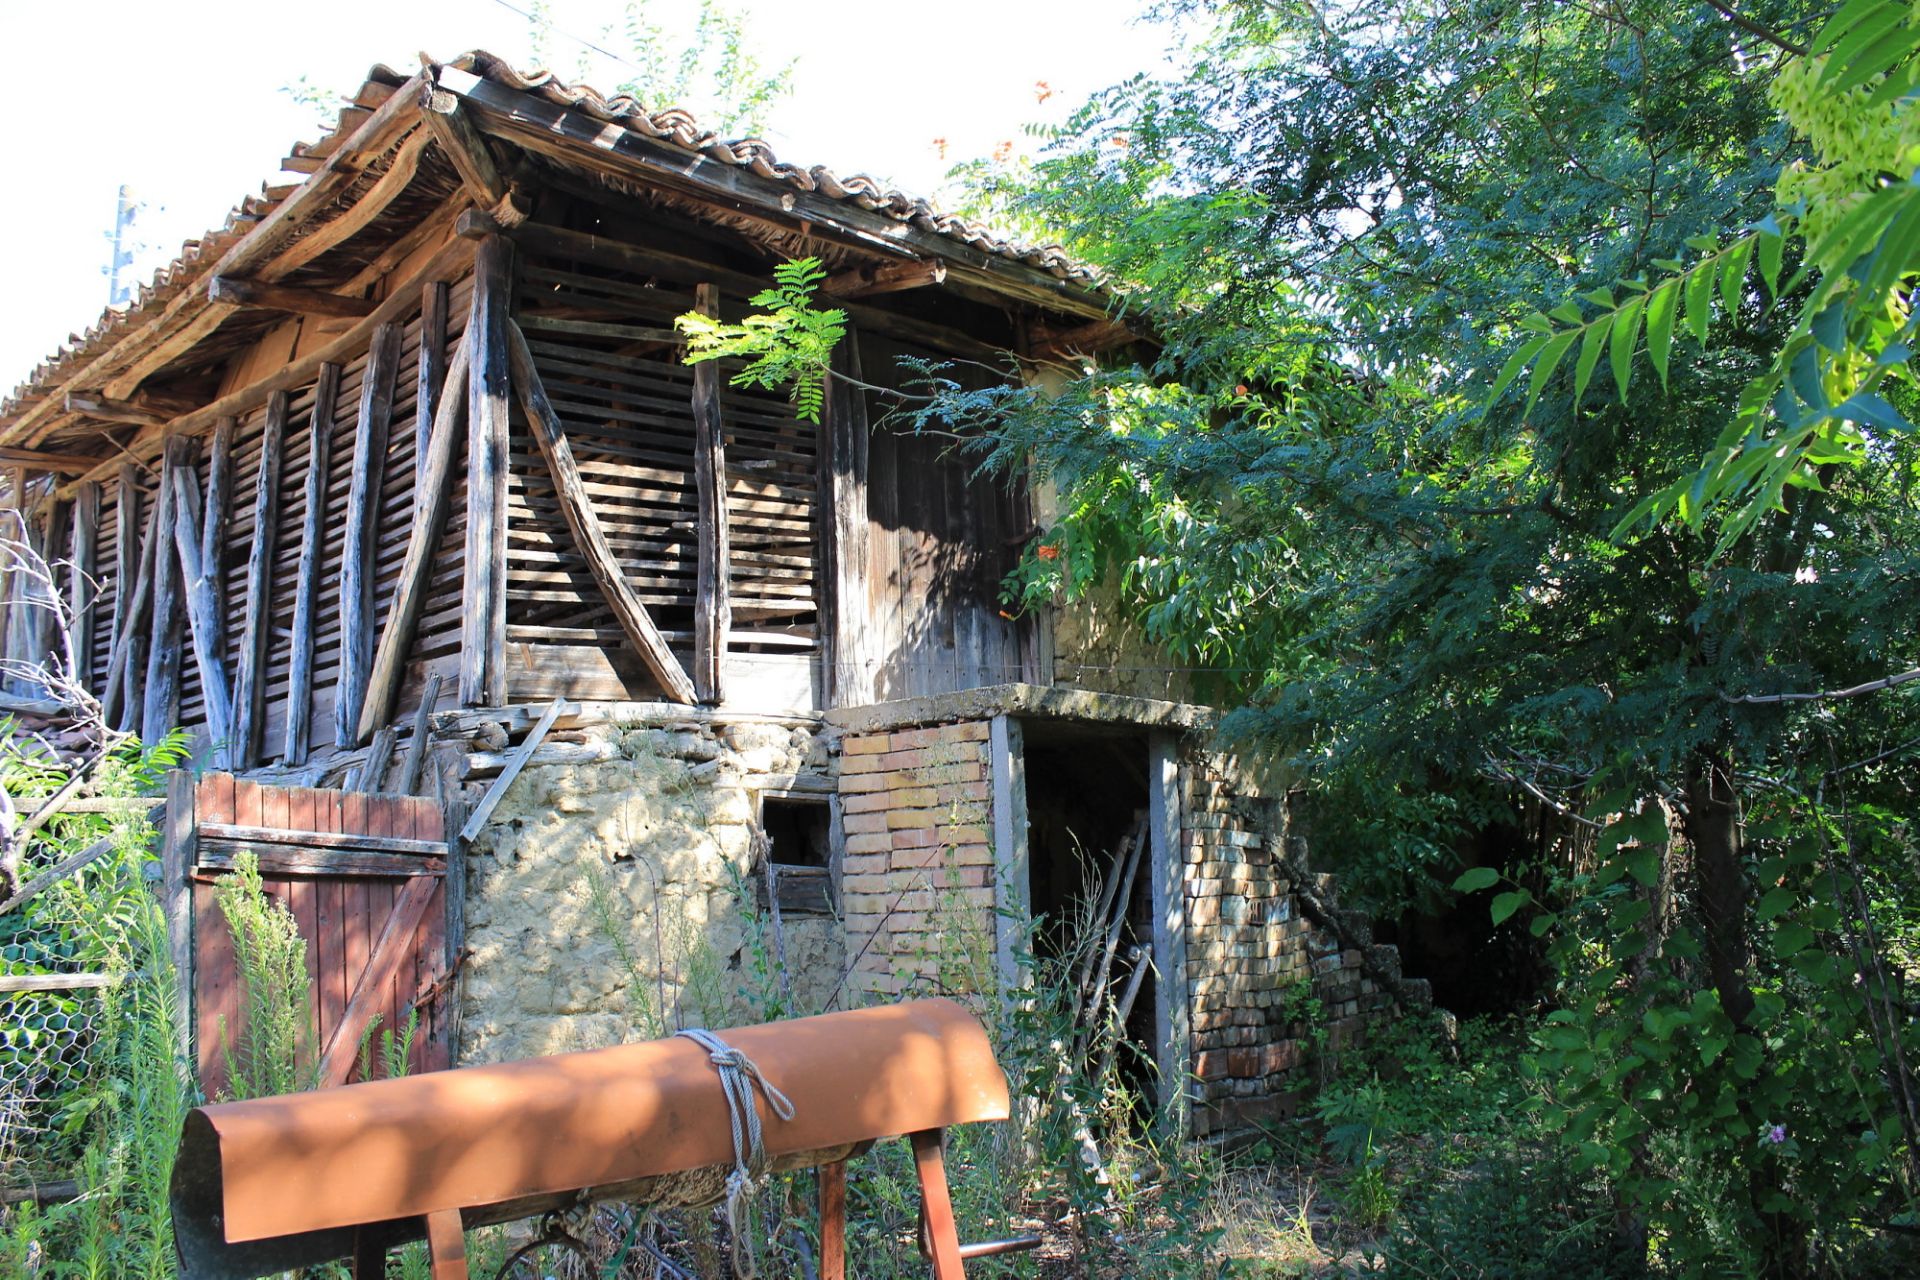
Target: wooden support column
[
  {"x": 256, "y": 631},
  {"x": 712, "y": 608},
  {"x": 160, "y": 712},
  {"x": 432, "y": 370},
  {"x": 940, "y": 1232},
  {"x": 483, "y": 627},
  {"x": 306, "y": 589},
  {"x": 843, "y": 492},
  {"x": 203, "y": 612},
  {"x": 126, "y": 564},
  {"x": 12, "y": 524},
  {"x": 585, "y": 525},
  {"x": 1012, "y": 906},
  {"x": 1168, "y": 889},
  {"x": 81, "y": 592},
  {"x": 176, "y": 901},
  {"x": 218, "y": 515},
  {"x": 363, "y": 532},
  {"x": 127, "y": 661},
  {"x": 433, "y": 495}
]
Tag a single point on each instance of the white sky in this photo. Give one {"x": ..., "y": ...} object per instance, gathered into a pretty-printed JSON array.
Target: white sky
[{"x": 180, "y": 100}]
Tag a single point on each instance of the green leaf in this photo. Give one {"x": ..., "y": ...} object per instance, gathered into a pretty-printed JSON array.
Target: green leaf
[
  {"x": 1515, "y": 363},
  {"x": 1475, "y": 880},
  {"x": 1626, "y": 332},
  {"x": 1660, "y": 309},
  {"x": 1790, "y": 938},
  {"x": 1733, "y": 275},
  {"x": 1504, "y": 905},
  {"x": 1567, "y": 311},
  {"x": 1777, "y": 901},
  {"x": 1700, "y": 302},
  {"x": 1591, "y": 346},
  {"x": 1849, "y": 16},
  {"x": 1772, "y": 246},
  {"x": 1549, "y": 361}
]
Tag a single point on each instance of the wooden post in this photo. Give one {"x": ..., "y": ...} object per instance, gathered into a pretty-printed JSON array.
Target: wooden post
[
  {"x": 850, "y": 671},
  {"x": 10, "y": 527},
  {"x": 942, "y": 1234},
  {"x": 433, "y": 495},
  {"x": 160, "y": 712},
  {"x": 363, "y": 533},
  {"x": 483, "y": 631},
  {"x": 217, "y": 516},
  {"x": 415, "y": 764},
  {"x": 432, "y": 371},
  {"x": 81, "y": 593},
  {"x": 577, "y": 508},
  {"x": 203, "y": 612},
  {"x": 176, "y": 901},
  {"x": 446, "y": 1245},
  {"x": 126, "y": 564},
  {"x": 306, "y": 589},
  {"x": 712, "y": 611},
  {"x": 1012, "y": 910},
  {"x": 1169, "y": 901},
  {"x": 833, "y": 1220},
  {"x": 128, "y": 660},
  {"x": 250, "y": 685}
]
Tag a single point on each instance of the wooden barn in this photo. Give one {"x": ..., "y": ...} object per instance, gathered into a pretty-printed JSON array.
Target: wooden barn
[{"x": 397, "y": 485}]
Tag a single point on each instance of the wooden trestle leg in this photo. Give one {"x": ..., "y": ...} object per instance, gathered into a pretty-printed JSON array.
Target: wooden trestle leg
[
  {"x": 940, "y": 1236},
  {"x": 833, "y": 1220},
  {"x": 446, "y": 1245}
]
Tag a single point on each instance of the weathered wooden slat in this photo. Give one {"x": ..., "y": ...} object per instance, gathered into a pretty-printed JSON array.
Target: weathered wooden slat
[
  {"x": 101, "y": 408},
  {"x": 477, "y": 821},
  {"x": 306, "y": 598},
  {"x": 81, "y": 591},
  {"x": 126, "y": 564},
  {"x": 871, "y": 278},
  {"x": 433, "y": 493},
  {"x": 462, "y": 144},
  {"x": 372, "y": 771},
  {"x": 203, "y": 612},
  {"x": 277, "y": 259},
  {"x": 298, "y": 860},
  {"x": 483, "y": 629},
  {"x": 160, "y": 712},
  {"x": 126, "y": 661},
  {"x": 176, "y": 900},
  {"x": 250, "y": 686},
  {"x": 579, "y": 513},
  {"x": 362, "y": 532},
  {"x": 415, "y": 764},
  {"x": 244, "y": 833},
  {"x": 409, "y": 906},
  {"x": 217, "y": 515},
  {"x": 712, "y": 614},
  {"x": 63, "y": 463},
  {"x": 279, "y": 297},
  {"x": 432, "y": 370}
]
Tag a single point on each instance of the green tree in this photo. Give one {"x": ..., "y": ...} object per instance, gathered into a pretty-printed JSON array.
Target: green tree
[{"x": 1337, "y": 223}]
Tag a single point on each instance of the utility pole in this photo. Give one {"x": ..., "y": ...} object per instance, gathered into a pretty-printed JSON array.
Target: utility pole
[{"x": 119, "y": 293}]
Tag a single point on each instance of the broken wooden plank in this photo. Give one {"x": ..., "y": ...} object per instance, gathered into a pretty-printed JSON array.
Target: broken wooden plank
[
  {"x": 64, "y": 463},
  {"x": 250, "y": 685},
  {"x": 409, "y": 907},
  {"x": 891, "y": 277},
  {"x": 306, "y": 598},
  {"x": 372, "y": 771},
  {"x": 245, "y": 833},
  {"x": 81, "y": 587},
  {"x": 472, "y": 159},
  {"x": 298, "y": 860},
  {"x": 160, "y": 712},
  {"x": 591, "y": 539},
  {"x": 433, "y": 494},
  {"x": 363, "y": 532},
  {"x": 414, "y": 767},
  {"x": 477, "y": 821},
  {"x": 432, "y": 370},
  {"x": 279, "y": 297},
  {"x": 203, "y": 613},
  {"x": 712, "y": 613},
  {"x": 483, "y": 631},
  {"x": 104, "y": 408}
]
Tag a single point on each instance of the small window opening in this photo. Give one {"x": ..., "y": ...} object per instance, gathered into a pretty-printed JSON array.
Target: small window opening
[{"x": 799, "y": 833}]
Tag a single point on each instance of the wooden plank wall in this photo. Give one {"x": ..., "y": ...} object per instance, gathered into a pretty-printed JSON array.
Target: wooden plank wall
[
  {"x": 940, "y": 543},
  {"x": 603, "y": 343},
  {"x": 340, "y": 918},
  {"x": 436, "y": 648}
]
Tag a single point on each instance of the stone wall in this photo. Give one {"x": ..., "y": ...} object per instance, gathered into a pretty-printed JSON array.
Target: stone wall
[
  {"x": 604, "y": 896},
  {"x": 1275, "y": 992},
  {"x": 917, "y": 873}
]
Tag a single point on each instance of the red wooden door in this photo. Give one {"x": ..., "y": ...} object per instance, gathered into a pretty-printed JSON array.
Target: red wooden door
[{"x": 364, "y": 878}]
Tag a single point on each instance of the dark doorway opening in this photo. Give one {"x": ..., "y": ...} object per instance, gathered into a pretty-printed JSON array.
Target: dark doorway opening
[
  {"x": 1090, "y": 881},
  {"x": 799, "y": 847}
]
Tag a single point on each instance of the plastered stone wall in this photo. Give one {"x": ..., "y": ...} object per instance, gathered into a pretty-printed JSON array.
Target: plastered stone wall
[
  {"x": 604, "y": 896},
  {"x": 1274, "y": 994},
  {"x": 917, "y": 875}
]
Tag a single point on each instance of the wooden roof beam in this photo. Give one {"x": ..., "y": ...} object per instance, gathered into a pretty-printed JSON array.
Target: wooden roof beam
[
  {"x": 67, "y": 464},
  {"x": 104, "y": 408},
  {"x": 468, "y": 152},
  {"x": 242, "y": 292},
  {"x": 868, "y": 279}
]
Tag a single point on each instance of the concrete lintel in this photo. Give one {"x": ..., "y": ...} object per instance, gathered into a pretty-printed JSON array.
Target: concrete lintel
[{"x": 1031, "y": 701}]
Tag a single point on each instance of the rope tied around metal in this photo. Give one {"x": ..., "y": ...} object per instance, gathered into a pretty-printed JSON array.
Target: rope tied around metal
[{"x": 738, "y": 1077}]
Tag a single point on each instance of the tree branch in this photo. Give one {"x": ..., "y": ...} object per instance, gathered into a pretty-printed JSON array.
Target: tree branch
[
  {"x": 1827, "y": 695},
  {"x": 1753, "y": 28}
]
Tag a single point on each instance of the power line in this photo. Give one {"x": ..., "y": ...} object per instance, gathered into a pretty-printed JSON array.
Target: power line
[{"x": 582, "y": 41}]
